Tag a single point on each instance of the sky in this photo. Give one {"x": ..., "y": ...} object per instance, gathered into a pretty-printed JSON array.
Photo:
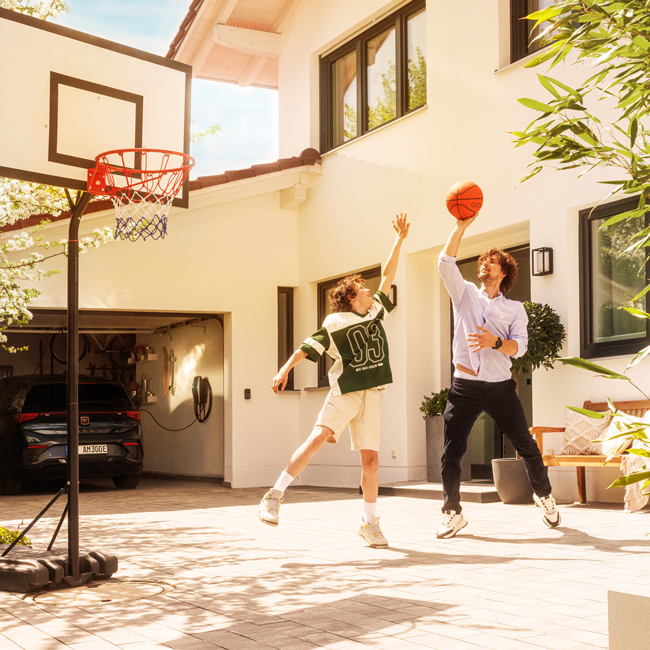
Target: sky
[{"x": 248, "y": 117}]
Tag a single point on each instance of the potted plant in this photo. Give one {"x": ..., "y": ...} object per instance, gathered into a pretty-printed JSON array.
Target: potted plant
[
  {"x": 546, "y": 336},
  {"x": 433, "y": 407}
]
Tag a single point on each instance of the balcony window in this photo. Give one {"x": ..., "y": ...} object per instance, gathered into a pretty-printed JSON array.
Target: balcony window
[{"x": 377, "y": 77}]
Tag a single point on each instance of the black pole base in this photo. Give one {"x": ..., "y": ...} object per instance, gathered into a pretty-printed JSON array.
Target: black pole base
[{"x": 26, "y": 570}]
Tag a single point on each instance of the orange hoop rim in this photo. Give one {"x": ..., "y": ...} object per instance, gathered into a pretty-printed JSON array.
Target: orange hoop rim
[{"x": 188, "y": 161}]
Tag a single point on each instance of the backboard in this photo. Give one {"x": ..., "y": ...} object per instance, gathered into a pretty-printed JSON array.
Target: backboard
[{"x": 68, "y": 96}]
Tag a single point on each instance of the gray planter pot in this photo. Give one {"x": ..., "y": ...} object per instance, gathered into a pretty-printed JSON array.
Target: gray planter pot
[
  {"x": 511, "y": 481},
  {"x": 435, "y": 427}
]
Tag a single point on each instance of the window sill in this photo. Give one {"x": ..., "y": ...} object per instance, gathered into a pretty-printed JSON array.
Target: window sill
[
  {"x": 290, "y": 391},
  {"x": 312, "y": 389},
  {"x": 519, "y": 63},
  {"x": 338, "y": 148}
]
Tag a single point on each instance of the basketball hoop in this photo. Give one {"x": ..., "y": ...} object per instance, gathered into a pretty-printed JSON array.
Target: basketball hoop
[{"x": 142, "y": 183}]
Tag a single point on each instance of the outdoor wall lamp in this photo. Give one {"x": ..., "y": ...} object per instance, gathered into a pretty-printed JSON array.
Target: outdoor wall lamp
[{"x": 542, "y": 259}]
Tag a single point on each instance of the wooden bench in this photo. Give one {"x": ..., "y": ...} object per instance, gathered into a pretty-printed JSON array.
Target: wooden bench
[{"x": 636, "y": 408}]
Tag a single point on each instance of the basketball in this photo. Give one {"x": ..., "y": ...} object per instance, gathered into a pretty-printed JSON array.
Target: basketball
[{"x": 464, "y": 199}]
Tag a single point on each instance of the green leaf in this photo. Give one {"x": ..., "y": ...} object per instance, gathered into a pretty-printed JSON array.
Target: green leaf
[
  {"x": 577, "y": 362},
  {"x": 636, "y": 312},
  {"x": 530, "y": 174},
  {"x": 630, "y": 214},
  {"x": 546, "y": 82},
  {"x": 544, "y": 14},
  {"x": 638, "y": 357},
  {"x": 630, "y": 479},
  {"x": 591, "y": 414},
  {"x": 639, "y": 452},
  {"x": 640, "y": 295},
  {"x": 535, "y": 105},
  {"x": 634, "y": 128}
]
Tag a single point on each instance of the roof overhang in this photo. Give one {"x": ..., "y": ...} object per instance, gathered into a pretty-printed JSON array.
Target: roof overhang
[{"x": 236, "y": 41}]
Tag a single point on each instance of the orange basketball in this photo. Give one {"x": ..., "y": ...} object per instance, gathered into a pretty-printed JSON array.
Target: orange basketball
[{"x": 464, "y": 199}]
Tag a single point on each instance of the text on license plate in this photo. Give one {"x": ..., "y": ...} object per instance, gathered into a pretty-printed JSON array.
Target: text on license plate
[{"x": 93, "y": 449}]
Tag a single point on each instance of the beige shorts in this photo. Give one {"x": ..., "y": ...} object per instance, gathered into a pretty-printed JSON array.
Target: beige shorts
[{"x": 359, "y": 410}]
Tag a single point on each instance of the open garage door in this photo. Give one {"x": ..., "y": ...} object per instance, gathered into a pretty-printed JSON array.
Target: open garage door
[{"x": 156, "y": 356}]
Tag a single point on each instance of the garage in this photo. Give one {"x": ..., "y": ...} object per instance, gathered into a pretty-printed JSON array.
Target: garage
[{"x": 156, "y": 356}]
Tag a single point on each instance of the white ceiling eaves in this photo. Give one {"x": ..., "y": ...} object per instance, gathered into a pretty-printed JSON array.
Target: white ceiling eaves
[{"x": 249, "y": 41}]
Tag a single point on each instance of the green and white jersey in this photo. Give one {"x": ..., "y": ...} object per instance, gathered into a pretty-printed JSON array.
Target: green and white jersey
[{"x": 358, "y": 345}]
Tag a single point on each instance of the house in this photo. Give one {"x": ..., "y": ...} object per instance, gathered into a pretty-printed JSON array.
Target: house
[{"x": 384, "y": 104}]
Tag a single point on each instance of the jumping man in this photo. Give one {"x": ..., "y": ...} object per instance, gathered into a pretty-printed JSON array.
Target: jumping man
[{"x": 489, "y": 329}]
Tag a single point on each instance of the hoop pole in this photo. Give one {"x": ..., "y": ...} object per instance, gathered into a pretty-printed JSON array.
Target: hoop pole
[{"x": 81, "y": 203}]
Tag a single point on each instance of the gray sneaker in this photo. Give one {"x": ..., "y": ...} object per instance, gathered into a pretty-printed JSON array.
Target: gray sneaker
[
  {"x": 452, "y": 522},
  {"x": 550, "y": 513},
  {"x": 372, "y": 534},
  {"x": 270, "y": 507}
]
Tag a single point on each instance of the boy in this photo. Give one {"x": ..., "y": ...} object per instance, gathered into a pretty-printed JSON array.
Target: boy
[{"x": 355, "y": 339}]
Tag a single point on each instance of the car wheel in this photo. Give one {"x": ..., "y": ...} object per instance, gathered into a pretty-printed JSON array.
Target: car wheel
[
  {"x": 127, "y": 482},
  {"x": 9, "y": 483}
]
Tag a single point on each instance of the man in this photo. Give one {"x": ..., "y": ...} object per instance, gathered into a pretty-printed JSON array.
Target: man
[
  {"x": 488, "y": 330},
  {"x": 355, "y": 338}
]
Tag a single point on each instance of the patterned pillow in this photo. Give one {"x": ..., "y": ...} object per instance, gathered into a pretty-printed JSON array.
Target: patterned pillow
[
  {"x": 581, "y": 431},
  {"x": 617, "y": 426}
]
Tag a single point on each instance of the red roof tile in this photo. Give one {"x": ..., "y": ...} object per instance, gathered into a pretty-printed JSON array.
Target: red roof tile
[{"x": 307, "y": 157}]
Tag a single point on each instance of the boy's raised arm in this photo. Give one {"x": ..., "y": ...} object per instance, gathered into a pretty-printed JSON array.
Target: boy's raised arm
[{"x": 401, "y": 226}]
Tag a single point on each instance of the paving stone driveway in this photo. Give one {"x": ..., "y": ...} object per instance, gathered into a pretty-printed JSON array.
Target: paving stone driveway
[{"x": 506, "y": 582}]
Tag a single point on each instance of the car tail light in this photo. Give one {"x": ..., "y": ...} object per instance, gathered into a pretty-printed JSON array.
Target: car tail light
[
  {"x": 129, "y": 444},
  {"x": 37, "y": 446},
  {"x": 133, "y": 414},
  {"x": 26, "y": 417}
]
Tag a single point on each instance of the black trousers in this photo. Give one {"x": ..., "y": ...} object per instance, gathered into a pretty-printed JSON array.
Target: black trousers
[{"x": 466, "y": 401}]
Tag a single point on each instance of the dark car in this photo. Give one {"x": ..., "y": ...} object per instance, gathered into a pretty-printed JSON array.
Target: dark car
[{"x": 33, "y": 431}]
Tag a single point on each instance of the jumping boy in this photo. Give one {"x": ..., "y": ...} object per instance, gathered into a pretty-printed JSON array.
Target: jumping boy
[{"x": 355, "y": 339}]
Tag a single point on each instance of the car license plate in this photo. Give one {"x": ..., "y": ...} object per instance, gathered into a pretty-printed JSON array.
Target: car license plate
[{"x": 93, "y": 449}]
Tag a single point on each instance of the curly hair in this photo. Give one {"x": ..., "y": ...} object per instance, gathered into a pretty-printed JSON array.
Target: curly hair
[
  {"x": 508, "y": 266},
  {"x": 345, "y": 291}
]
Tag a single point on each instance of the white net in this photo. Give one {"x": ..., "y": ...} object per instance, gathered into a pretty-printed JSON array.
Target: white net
[{"x": 142, "y": 184}]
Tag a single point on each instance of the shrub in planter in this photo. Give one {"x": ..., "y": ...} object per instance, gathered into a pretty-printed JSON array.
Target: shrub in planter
[{"x": 434, "y": 405}]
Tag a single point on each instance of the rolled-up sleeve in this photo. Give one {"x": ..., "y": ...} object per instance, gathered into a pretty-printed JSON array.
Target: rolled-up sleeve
[
  {"x": 519, "y": 331},
  {"x": 451, "y": 278}
]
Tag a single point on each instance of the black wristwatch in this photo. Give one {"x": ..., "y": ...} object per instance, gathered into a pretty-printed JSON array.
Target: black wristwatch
[{"x": 498, "y": 344}]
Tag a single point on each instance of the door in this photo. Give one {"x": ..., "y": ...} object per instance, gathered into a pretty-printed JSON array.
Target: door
[{"x": 486, "y": 439}]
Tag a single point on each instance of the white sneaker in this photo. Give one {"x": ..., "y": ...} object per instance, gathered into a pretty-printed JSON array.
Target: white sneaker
[
  {"x": 372, "y": 534},
  {"x": 550, "y": 513},
  {"x": 452, "y": 522},
  {"x": 270, "y": 507}
]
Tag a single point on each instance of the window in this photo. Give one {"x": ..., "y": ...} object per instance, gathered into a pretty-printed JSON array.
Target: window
[
  {"x": 522, "y": 41},
  {"x": 375, "y": 78},
  {"x": 610, "y": 277},
  {"x": 372, "y": 278},
  {"x": 285, "y": 330}
]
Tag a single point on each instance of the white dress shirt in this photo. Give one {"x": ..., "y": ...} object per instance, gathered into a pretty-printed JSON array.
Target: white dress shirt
[{"x": 473, "y": 308}]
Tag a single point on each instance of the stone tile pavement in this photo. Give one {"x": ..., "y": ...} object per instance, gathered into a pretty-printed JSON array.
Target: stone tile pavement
[{"x": 227, "y": 581}]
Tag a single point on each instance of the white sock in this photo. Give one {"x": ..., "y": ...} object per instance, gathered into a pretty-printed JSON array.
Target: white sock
[
  {"x": 369, "y": 510},
  {"x": 283, "y": 482}
]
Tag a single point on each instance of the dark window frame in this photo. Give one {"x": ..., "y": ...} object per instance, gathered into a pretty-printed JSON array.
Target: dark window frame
[
  {"x": 521, "y": 34},
  {"x": 322, "y": 289},
  {"x": 398, "y": 20},
  {"x": 285, "y": 338},
  {"x": 588, "y": 348}
]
